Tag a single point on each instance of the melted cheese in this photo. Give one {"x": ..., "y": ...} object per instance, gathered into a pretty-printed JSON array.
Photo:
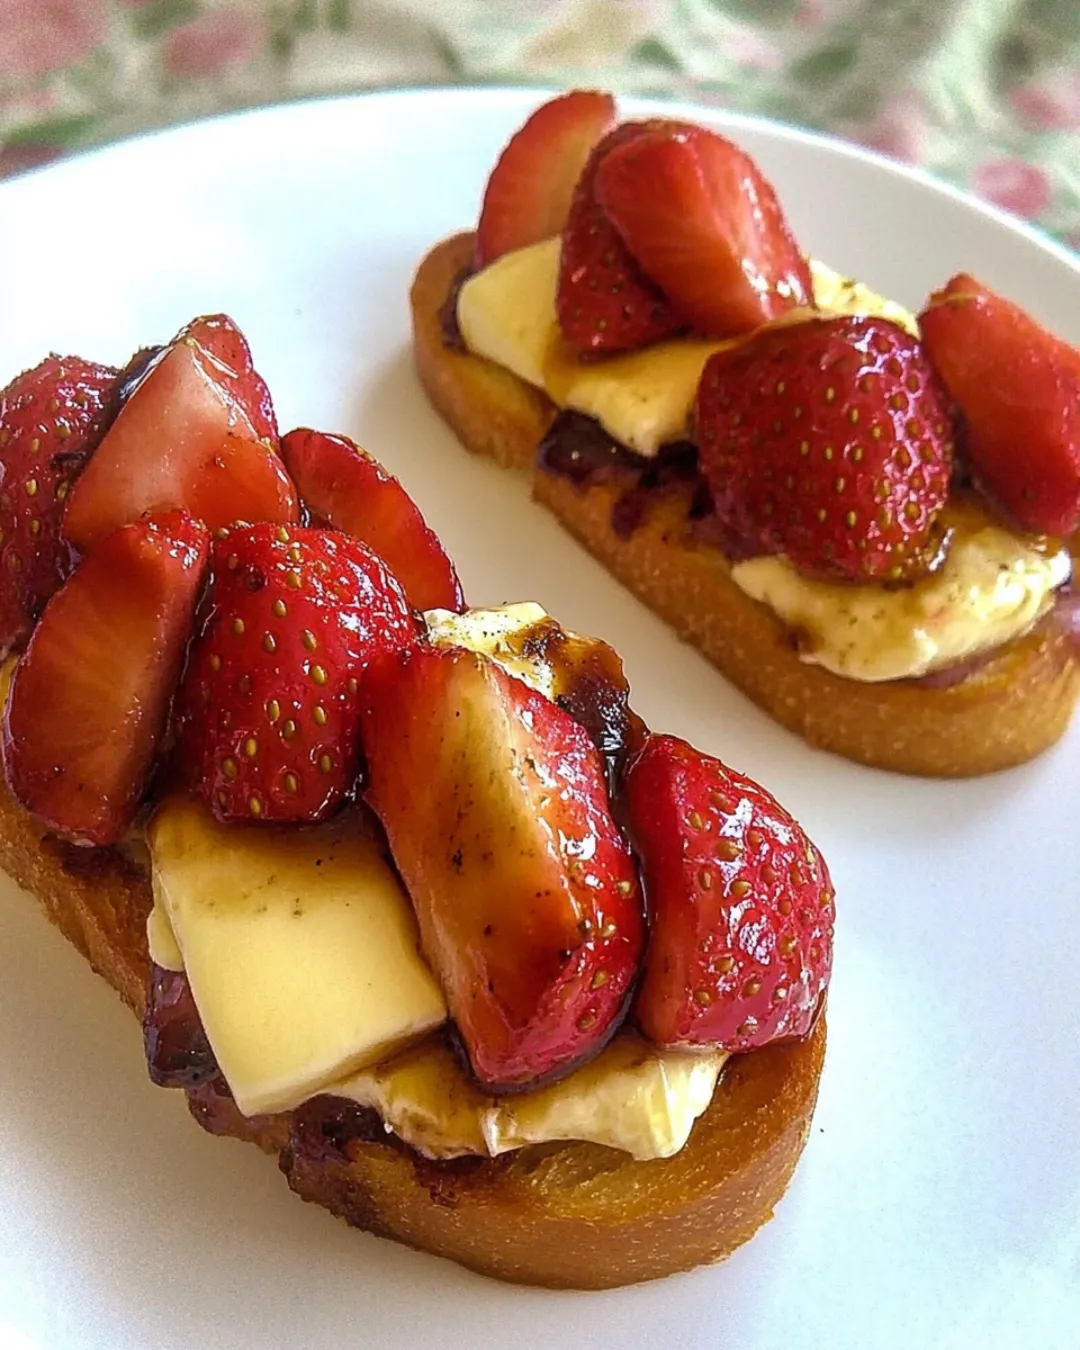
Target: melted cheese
[
  {"x": 226, "y": 909},
  {"x": 632, "y": 1097},
  {"x": 643, "y": 399},
  {"x": 991, "y": 588},
  {"x": 497, "y": 633}
]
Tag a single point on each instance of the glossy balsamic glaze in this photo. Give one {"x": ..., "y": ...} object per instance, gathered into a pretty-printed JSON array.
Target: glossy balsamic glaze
[
  {"x": 448, "y": 319},
  {"x": 593, "y": 689},
  {"x": 178, "y": 1053},
  {"x": 577, "y": 448}
]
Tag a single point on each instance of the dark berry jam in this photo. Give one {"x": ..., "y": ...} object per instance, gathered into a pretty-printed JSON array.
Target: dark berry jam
[{"x": 177, "y": 1051}]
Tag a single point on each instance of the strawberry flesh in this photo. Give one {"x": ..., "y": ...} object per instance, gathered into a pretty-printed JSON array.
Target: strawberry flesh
[
  {"x": 830, "y": 441},
  {"x": 530, "y": 911},
  {"x": 90, "y": 696},
  {"x": 705, "y": 226},
  {"x": 51, "y": 418},
  {"x": 344, "y": 487},
  {"x": 740, "y": 948},
  {"x": 604, "y": 301},
  {"x": 229, "y": 358},
  {"x": 187, "y": 437},
  {"x": 528, "y": 195},
  {"x": 268, "y": 709},
  {"x": 1018, "y": 387}
]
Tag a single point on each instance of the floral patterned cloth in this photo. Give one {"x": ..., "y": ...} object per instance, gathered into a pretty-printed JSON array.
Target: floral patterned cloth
[{"x": 983, "y": 92}]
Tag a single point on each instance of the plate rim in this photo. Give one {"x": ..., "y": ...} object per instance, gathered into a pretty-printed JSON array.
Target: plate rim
[{"x": 511, "y": 94}]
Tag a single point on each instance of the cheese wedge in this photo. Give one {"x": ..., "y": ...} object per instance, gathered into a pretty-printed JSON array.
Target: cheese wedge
[{"x": 300, "y": 947}]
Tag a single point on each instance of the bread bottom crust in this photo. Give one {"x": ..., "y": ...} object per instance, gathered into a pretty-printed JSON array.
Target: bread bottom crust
[
  {"x": 1008, "y": 710},
  {"x": 576, "y": 1216}
]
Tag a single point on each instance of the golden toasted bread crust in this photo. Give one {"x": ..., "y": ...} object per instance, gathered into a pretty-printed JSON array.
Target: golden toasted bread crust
[
  {"x": 1005, "y": 712},
  {"x": 573, "y": 1216}
]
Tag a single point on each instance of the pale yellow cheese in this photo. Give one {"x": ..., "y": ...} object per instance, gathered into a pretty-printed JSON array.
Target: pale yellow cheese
[
  {"x": 643, "y": 399},
  {"x": 300, "y": 947},
  {"x": 992, "y": 587},
  {"x": 836, "y": 294},
  {"x": 496, "y": 633},
  {"x": 161, "y": 940},
  {"x": 632, "y": 1097}
]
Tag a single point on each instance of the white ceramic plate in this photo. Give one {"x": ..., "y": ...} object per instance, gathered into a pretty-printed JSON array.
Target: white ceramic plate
[{"x": 938, "y": 1203}]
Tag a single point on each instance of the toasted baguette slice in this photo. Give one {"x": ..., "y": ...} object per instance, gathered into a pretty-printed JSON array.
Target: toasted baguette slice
[
  {"x": 571, "y": 1216},
  {"x": 1009, "y": 709}
]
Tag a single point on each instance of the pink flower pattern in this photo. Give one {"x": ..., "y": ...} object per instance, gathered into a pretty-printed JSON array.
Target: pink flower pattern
[
  {"x": 209, "y": 45},
  {"x": 1014, "y": 185},
  {"x": 38, "y": 37},
  {"x": 26, "y": 155},
  {"x": 77, "y": 72},
  {"x": 1051, "y": 106},
  {"x": 898, "y": 129}
]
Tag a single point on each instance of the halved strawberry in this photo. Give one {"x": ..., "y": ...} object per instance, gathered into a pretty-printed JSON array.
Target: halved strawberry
[
  {"x": 604, "y": 302},
  {"x": 705, "y": 225},
  {"x": 51, "y": 418},
  {"x": 740, "y": 948},
  {"x": 829, "y": 441},
  {"x": 1018, "y": 387},
  {"x": 528, "y": 195},
  {"x": 188, "y": 437},
  {"x": 494, "y": 803},
  {"x": 90, "y": 696},
  {"x": 268, "y": 711},
  {"x": 344, "y": 487}
]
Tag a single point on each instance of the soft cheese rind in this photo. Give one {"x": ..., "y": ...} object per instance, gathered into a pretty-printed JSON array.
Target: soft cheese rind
[{"x": 992, "y": 587}]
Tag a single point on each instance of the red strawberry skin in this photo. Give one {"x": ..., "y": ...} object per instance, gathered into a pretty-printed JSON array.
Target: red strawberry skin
[
  {"x": 268, "y": 709},
  {"x": 528, "y": 195},
  {"x": 830, "y": 441},
  {"x": 345, "y": 488},
  {"x": 193, "y": 434},
  {"x": 1018, "y": 388},
  {"x": 740, "y": 949},
  {"x": 705, "y": 225},
  {"x": 51, "y": 419},
  {"x": 90, "y": 696},
  {"x": 604, "y": 301},
  {"x": 530, "y": 911}
]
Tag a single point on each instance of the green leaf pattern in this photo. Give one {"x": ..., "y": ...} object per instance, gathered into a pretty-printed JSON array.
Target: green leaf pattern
[{"x": 985, "y": 93}]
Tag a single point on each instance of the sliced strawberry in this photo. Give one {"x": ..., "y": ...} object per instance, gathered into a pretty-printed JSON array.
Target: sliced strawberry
[
  {"x": 605, "y": 303},
  {"x": 230, "y": 361},
  {"x": 51, "y": 418},
  {"x": 829, "y": 441},
  {"x": 1018, "y": 387},
  {"x": 742, "y": 905},
  {"x": 494, "y": 803},
  {"x": 90, "y": 696},
  {"x": 528, "y": 195},
  {"x": 188, "y": 437},
  {"x": 268, "y": 710},
  {"x": 705, "y": 225},
  {"x": 344, "y": 487}
]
